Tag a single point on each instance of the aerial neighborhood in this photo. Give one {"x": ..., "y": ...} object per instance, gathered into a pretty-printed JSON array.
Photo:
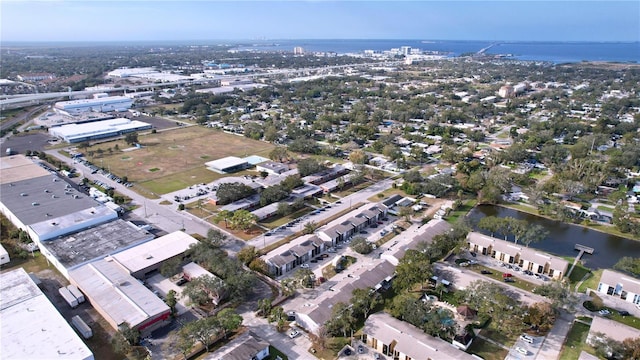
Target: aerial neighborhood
[{"x": 223, "y": 202}]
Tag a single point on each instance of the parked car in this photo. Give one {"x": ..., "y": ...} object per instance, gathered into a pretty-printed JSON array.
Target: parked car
[
  {"x": 604, "y": 312},
  {"x": 506, "y": 275},
  {"x": 526, "y": 338},
  {"x": 485, "y": 272},
  {"x": 528, "y": 272},
  {"x": 360, "y": 349},
  {"x": 304, "y": 266},
  {"x": 473, "y": 254},
  {"x": 181, "y": 281},
  {"x": 522, "y": 351},
  {"x": 376, "y": 356},
  {"x": 623, "y": 313},
  {"x": 294, "y": 333},
  {"x": 347, "y": 351},
  {"x": 509, "y": 280}
]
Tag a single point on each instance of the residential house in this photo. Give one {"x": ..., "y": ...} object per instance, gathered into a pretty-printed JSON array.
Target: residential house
[{"x": 620, "y": 285}]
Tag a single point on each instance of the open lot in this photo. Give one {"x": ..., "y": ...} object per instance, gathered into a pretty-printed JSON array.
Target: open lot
[{"x": 175, "y": 159}]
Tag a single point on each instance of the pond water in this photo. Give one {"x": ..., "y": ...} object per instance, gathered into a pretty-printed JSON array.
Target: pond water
[{"x": 608, "y": 249}]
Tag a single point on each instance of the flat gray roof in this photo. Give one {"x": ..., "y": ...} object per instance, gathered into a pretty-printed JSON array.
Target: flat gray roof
[
  {"x": 42, "y": 198},
  {"x": 31, "y": 327},
  {"x": 96, "y": 242}
]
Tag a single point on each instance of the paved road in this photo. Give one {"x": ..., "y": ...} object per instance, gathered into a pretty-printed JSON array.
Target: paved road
[{"x": 345, "y": 203}]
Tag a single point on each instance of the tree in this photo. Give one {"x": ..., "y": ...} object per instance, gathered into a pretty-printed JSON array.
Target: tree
[
  {"x": 223, "y": 215},
  {"x": 230, "y": 192},
  {"x": 125, "y": 338},
  {"x": 273, "y": 194},
  {"x": 490, "y": 299},
  {"x": 278, "y": 316},
  {"x": 309, "y": 166},
  {"x": 247, "y": 254},
  {"x": 361, "y": 245},
  {"x": 414, "y": 268},
  {"x": 363, "y": 301},
  {"x": 264, "y": 307},
  {"x": 171, "y": 267},
  {"x": 228, "y": 321},
  {"x": 243, "y": 219},
  {"x": 291, "y": 182},
  {"x": 171, "y": 301},
  {"x": 279, "y": 153},
  {"x": 342, "y": 320},
  {"x": 200, "y": 330},
  {"x": 358, "y": 157},
  {"x": 541, "y": 316},
  {"x": 216, "y": 239},
  {"x": 204, "y": 289},
  {"x": 629, "y": 264},
  {"x": 560, "y": 294},
  {"x": 309, "y": 227},
  {"x": 131, "y": 138}
]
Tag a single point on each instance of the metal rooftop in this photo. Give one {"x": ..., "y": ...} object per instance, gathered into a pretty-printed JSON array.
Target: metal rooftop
[{"x": 96, "y": 242}]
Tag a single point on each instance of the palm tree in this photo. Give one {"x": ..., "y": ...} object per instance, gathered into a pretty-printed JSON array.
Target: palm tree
[{"x": 223, "y": 215}]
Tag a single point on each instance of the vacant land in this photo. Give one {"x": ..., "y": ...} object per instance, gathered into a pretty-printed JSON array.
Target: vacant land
[{"x": 174, "y": 159}]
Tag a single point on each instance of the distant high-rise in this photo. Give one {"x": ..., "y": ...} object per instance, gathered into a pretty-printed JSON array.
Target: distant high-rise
[
  {"x": 405, "y": 50},
  {"x": 298, "y": 50}
]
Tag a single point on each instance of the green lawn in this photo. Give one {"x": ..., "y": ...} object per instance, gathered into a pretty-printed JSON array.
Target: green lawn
[
  {"x": 462, "y": 211},
  {"x": 578, "y": 273},
  {"x": 592, "y": 282},
  {"x": 575, "y": 342},
  {"x": 274, "y": 222},
  {"x": 274, "y": 353},
  {"x": 487, "y": 350}
]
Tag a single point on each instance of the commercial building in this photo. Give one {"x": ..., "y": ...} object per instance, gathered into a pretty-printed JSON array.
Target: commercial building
[
  {"x": 227, "y": 165},
  {"x": 31, "y": 327},
  {"x": 119, "y": 297},
  {"x": 144, "y": 259},
  {"x": 401, "y": 340},
  {"x": 510, "y": 253},
  {"x": 43, "y": 204},
  {"x": 74, "y": 133},
  {"x": 97, "y": 104},
  {"x": 619, "y": 285},
  {"x": 272, "y": 167},
  {"x": 74, "y": 250}
]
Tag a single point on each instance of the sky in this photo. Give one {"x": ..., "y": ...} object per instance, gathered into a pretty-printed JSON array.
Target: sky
[{"x": 172, "y": 20}]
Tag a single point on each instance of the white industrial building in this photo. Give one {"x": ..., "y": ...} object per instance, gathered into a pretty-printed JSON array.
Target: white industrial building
[
  {"x": 31, "y": 327},
  {"x": 97, "y": 104},
  {"x": 227, "y": 164},
  {"x": 119, "y": 297},
  {"x": 43, "y": 204},
  {"x": 146, "y": 258},
  {"x": 74, "y": 133}
]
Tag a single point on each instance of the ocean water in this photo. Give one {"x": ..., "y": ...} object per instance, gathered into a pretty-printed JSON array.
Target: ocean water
[{"x": 556, "y": 52}]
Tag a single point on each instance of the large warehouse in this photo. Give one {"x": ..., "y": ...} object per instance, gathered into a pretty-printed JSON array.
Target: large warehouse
[
  {"x": 74, "y": 133},
  {"x": 227, "y": 165},
  {"x": 43, "y": 204},
  {"x": 119, "y": 297},
  {"x": 31, "y": 327},
  {"x": 97, "y": 104}
]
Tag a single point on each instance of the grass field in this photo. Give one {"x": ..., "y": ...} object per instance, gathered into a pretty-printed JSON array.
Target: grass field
[
  {"x": 575, "y": 342},
  {"x": 175, "y": 159},
  {"x": 487, "y": 350}
]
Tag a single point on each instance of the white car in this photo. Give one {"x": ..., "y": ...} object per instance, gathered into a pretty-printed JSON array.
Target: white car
[
  {"x": 294, "y": 333},
  {"x": 522, "y": 351},
  {"x": 604, "y": 312},
  {"x": 304, "y": 266},
  {"x": 526, "y": 338}
]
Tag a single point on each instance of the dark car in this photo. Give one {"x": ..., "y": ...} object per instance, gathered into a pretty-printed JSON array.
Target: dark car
[
  {"x": 181, "y": 281},
  {"x": 347, "y": 351},
  {"x": 486, "y": 272},
  {"x": 473, "y": 254},
  {"x": 360, "y": 349},
  {"x": 623, "y": 313},
  {"x": 509, "y": 280}
]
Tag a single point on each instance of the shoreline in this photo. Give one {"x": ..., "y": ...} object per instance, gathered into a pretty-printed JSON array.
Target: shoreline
[{"x": 534, "y": 212}]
